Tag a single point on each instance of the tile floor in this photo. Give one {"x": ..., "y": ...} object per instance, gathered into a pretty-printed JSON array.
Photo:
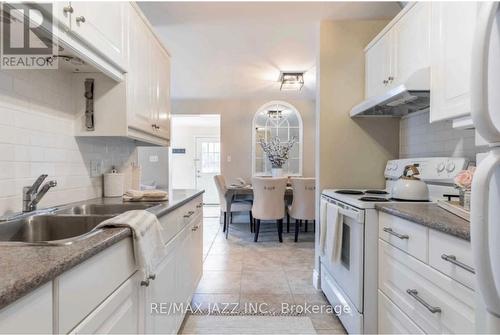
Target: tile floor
[{"x": 242, "y": 278}]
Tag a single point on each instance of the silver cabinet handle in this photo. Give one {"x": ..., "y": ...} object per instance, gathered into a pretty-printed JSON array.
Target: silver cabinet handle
[
  {"x": 145, "y": 282},
  {"x": 430, "y": 308},
  {"x": 453, "y": 259},
  {"x": 80, "y": 19},
  {"x": 188, "y": 214},
  {"x": 195, "y": 228},
  {"x": 152, "y": 277},
  {"x": 199, "y": 205},
  {"x": 68, "y": 9},
  {"x": 393, "y": 233},
  {"x": 390, "y": 78},
  {"x": 385, "y": 81}
]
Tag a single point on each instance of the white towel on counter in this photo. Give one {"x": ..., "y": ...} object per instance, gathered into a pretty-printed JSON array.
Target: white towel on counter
[{"x": 149, "y": 246}]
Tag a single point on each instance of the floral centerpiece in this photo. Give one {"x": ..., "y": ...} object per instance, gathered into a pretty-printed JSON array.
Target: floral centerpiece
[
  {"x": 463, "y": 181},
  {"x": 277, "y": 152}
]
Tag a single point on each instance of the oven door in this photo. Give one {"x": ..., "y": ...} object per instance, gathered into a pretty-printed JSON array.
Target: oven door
[{"x": 348, "y": 271}]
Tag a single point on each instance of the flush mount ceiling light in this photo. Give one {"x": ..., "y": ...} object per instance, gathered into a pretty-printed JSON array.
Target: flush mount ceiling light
[{"x": 291, "y": 81}]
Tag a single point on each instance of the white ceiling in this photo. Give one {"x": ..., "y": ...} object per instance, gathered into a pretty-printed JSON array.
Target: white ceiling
[
  {"x": 237, "y": 49},
  {"x": 207, "y": 120}
]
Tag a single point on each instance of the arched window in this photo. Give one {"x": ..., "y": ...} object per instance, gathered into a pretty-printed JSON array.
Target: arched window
[{"x": 282, "y": 120}]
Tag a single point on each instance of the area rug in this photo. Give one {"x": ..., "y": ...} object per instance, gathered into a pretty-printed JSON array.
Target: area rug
[{"x": 241, "y": 324}]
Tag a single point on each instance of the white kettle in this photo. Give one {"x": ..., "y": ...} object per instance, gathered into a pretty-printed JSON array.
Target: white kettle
[{"x": 409, "y": 187}]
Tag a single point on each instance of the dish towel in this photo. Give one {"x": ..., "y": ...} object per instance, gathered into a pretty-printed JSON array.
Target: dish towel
[
  {"x": 146, "y": 195},
  {"x": 331, "y": 231},
  {"x": 323, "y": 226},
  {"x": 149, "y": 246},
  {"x": 334, "y": 231}
]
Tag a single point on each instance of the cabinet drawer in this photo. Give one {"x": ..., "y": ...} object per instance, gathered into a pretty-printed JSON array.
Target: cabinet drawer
[
  {"x": 83, "y": 288},
  {"x": 391, "y": 320},
  {"x": 410, "y": 237},
  {"x": 452, "y": 256},
  {"x": 411, "y": 284}
]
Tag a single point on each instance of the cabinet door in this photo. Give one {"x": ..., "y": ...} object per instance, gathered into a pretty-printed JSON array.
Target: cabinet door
[
  {"x": 377, "y": 66},
  {"x": 103, "y": 26},
  {"x": 139, "y": 75},
  {"x": 197, "y": 251},
  {"x": 164, "y": 96},
  {"x": 452, "y": 29},
  {"x": 164, "y": 296},
  {"x": 118, "y": 314},
  {"x": 411, "y": 36}
]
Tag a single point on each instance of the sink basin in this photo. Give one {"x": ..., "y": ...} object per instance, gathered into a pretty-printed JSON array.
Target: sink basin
[
  {"x": 110, "y": 209},
  {"x": 49, "y": 229}
]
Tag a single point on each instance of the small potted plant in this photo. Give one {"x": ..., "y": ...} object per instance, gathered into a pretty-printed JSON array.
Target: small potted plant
[
  {"x": 277, "y": 153},
  {"x": 463, "y": 181}
]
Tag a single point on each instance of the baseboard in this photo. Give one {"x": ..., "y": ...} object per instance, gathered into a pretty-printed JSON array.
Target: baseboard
[{"x": 316, "y": 279}]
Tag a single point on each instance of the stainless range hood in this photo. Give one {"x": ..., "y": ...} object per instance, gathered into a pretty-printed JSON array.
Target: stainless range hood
[{"x": 411, "y": 96}]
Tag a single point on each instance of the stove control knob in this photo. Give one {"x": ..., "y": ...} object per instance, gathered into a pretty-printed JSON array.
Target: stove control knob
[
  {"x": 440, "y": 167},
  {"x": 450, "y": 167}
]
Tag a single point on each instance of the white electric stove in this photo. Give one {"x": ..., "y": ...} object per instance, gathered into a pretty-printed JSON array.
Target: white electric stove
[{"x": 352, "y": 280}]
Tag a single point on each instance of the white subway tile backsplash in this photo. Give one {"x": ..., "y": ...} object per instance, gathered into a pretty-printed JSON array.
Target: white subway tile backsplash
[
  {"x": 36, "y": 137},
  {"x": 419, "y": 138}
]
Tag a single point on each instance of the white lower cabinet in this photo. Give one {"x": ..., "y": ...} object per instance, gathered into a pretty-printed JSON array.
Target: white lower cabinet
[
  {"x": 107, "y": 294},
  {"x": 118, "y": 314},
  {"x": 32, "y": 314}
]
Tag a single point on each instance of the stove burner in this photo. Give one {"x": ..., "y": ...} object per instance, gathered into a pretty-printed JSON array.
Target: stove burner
[
  {"x": 349, "y": 192},
  {"x": 376, "y": 192},
  {"x": 403, "y": 200},
  {"x": 377, "y": 199}
]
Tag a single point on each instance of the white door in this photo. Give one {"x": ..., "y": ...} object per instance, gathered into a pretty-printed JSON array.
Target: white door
[
  {"x": 207, "y": 165},
  {"x": 485, "y": 109}
]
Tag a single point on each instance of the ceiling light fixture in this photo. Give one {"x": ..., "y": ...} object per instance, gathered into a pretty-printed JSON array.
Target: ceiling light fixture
[{"x": 291, "y": 81}]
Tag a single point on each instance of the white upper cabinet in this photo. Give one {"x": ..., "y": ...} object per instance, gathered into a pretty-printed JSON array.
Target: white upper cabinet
[
  {"x": 411, "y": 38},
  {"x": 452, "y": 29},
  {"x": 400, "y": 51},
  {"x": 102, "y": 25},
  {"x": 378, "y": 66}
]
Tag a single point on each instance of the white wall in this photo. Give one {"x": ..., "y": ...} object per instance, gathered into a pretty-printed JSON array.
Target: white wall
[
  {"x": 419, "y": 138},
  {"x": 183, "y": 165},
  {"x": 36, "y": 127}
]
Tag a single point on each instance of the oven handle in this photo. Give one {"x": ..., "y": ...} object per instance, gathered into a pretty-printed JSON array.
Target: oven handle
[{"x": 347, "y": 210}]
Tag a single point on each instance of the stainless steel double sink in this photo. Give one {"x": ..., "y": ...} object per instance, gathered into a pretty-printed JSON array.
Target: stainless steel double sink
[{"x": 61, "y": 226}]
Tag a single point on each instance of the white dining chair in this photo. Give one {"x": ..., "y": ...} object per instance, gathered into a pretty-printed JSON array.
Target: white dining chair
[
  {"x": 236, "y": 205},
  {"x": 269, "y": 202},
  {"x": 302, "y": 207}
]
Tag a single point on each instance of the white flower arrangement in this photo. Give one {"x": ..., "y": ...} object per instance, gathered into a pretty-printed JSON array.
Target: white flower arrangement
[{"x": 277, "y": 151}]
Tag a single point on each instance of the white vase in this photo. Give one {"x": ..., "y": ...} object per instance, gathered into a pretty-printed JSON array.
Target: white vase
[{"x": 277, "y": 172}]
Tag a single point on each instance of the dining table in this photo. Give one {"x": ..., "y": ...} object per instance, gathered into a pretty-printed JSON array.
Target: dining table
[{"x": 233, "y": 192}]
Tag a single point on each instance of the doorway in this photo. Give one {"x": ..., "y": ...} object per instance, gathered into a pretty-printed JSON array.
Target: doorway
[{"x": 196, "y": 154}]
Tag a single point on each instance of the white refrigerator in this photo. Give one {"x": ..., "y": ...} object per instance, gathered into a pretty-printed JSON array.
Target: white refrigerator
[{"x": 485, "y": 199}]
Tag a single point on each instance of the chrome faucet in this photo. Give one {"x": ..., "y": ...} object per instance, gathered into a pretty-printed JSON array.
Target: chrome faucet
[{"x": 32, "y": 195}]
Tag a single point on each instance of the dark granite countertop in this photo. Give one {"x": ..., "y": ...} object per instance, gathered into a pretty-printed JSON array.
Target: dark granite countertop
[
  {"x": 430, "y": 215},
  {"x": 24, "y": 268}
]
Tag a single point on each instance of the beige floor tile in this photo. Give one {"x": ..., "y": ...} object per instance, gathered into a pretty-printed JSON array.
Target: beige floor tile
[
  {"x": 327, "y": 322},
  {"x": 261, "y": 262},
  {"x": 209, "y": 303},
  {"x": 219, "y": 282},
  {"x": 264, "y": 303},
  {"x": 264, "y": 283},
  {"x": 300, "y": 282},
  {"x": 223, "y": 262}
]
